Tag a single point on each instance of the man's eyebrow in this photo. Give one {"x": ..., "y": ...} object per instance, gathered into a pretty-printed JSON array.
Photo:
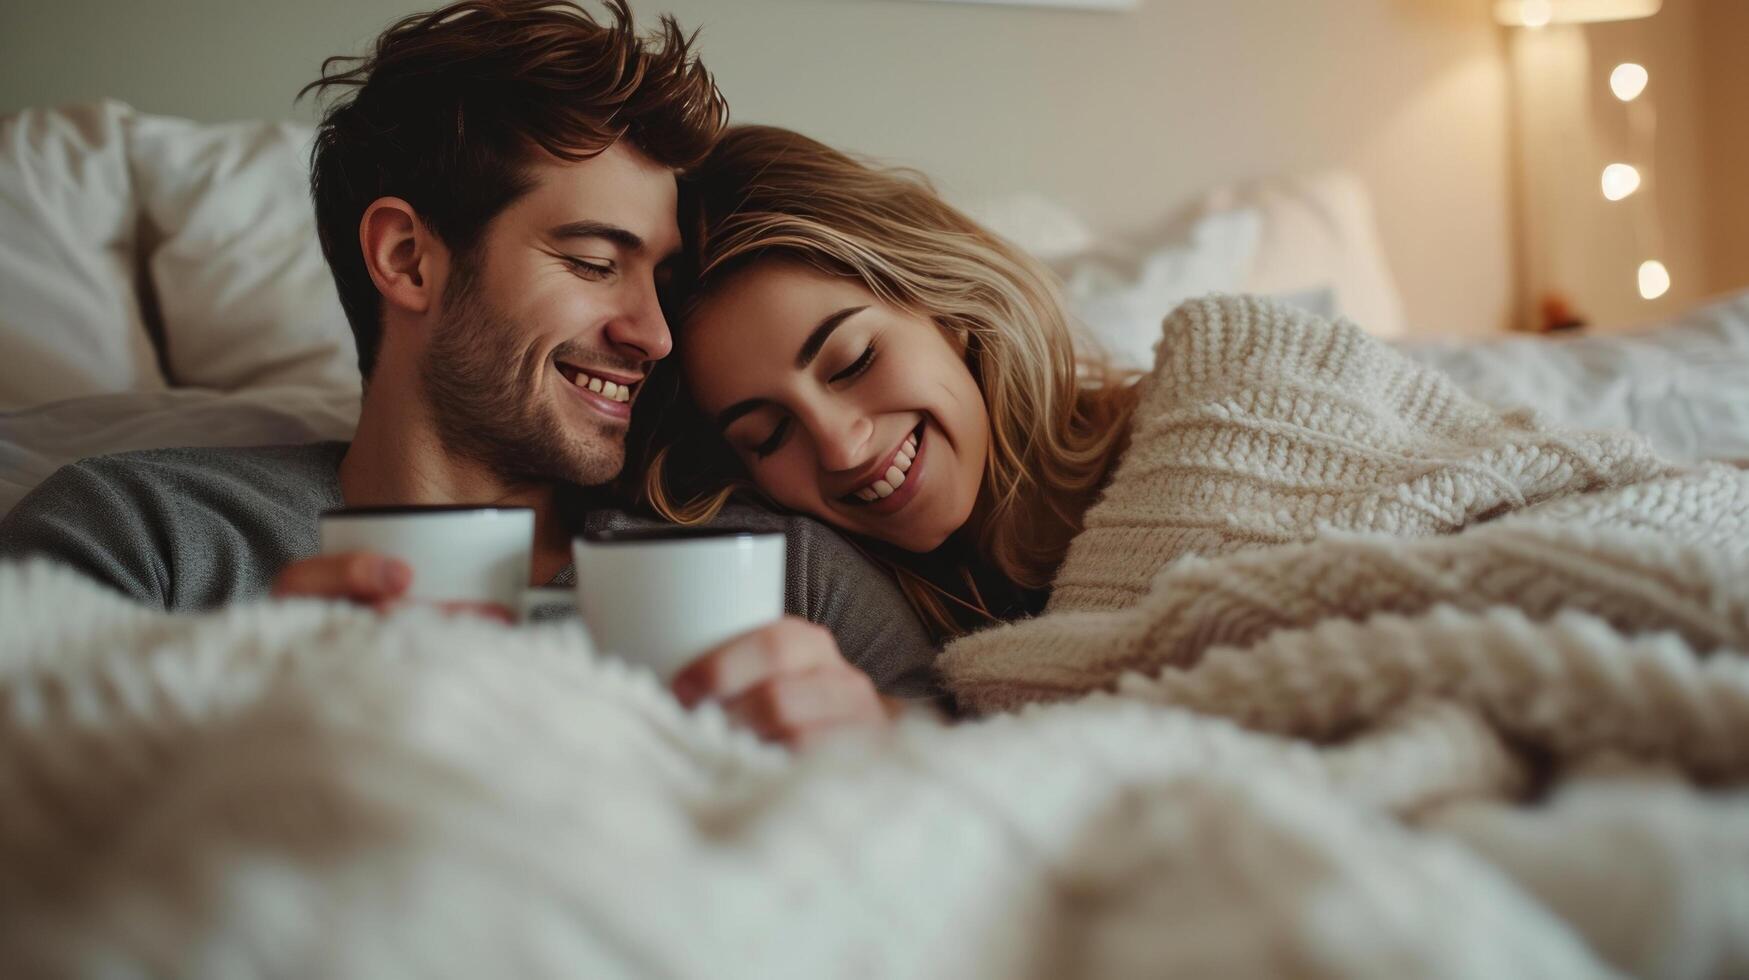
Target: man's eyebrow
[
  {"x": 624, "y": 238},
  {"x": 817, "y": 339}
]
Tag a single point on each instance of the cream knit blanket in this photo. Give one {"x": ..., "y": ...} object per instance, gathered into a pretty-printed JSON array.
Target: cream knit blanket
[
  {"x": 298, "y": 789},
  {"x": 309, "y": 790},
  {"x": 1433, "y": 784},
  {"x": 1286, "y": 471}
]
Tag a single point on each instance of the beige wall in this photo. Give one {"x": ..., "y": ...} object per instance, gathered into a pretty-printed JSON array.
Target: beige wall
[
  {"x": 1724, "y": 41},
  {"x": 1121, "y": 116}
]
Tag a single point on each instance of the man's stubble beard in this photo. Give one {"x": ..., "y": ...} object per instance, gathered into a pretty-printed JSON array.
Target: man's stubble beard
[{"x": 486, "y": 406}]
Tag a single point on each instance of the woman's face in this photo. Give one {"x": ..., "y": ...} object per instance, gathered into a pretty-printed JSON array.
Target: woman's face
[{"x": 842, "y": 407}]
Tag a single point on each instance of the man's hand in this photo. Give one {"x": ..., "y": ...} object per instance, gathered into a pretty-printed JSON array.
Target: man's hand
[
  {"x": 367, "y": 579},
  {"x": 360, "y": 576},
  {"x": 787, "y": 682}
]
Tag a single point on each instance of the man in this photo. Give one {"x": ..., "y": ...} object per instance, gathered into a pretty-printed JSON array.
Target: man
[{"x": 496, "y": 198}]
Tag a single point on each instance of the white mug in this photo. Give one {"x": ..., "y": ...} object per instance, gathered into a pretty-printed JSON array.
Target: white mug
[
  {"x": 663, "y": 597},
  {"x": 457, "y": 553}
]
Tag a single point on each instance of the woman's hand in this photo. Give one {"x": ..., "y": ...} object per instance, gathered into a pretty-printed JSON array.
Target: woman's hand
[{"x": 787, "y": 682}]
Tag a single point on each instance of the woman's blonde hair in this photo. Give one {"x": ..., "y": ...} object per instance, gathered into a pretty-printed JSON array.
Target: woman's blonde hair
[{"x": 1056, "y": 427}]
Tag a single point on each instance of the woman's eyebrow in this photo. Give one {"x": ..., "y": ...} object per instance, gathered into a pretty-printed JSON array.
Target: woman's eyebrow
[
  {"x": 727, "y": 416},
  {"x": 804, "y": 357},
  {"x": 817, "y": 339}
]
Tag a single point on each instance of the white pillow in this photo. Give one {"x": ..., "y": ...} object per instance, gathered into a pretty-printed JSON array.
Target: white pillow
[
  {"x": 70, "y": 319},
  {"x": 1319, "y": 232},
  {"x": 246, "y": 297},
  {"x": 1311, "y": 241},
  {"x": 1121, "y": 291},
  {"x": 1123, "y": 303},
  {"x": 37, "y": 441}
]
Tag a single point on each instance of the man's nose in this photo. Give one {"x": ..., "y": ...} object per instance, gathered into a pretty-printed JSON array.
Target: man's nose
[{"x": 640, "y": 325}]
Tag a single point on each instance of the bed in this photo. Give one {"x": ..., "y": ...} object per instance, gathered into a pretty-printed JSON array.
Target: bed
[{"x": 306, "y": 789}]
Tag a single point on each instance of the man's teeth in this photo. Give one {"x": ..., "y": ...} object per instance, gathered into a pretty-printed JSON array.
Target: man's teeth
[
  {"x": 894, "y": 478},
  {"x": 606, "y": 389}
]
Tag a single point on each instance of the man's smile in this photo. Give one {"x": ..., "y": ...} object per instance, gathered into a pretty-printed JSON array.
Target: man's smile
[{"x": 610, "y": 394}]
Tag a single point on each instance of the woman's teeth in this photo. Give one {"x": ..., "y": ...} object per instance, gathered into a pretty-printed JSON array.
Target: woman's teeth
[
  {"x": 895, "y": 475},
  {"x": 606, "y": 389}
]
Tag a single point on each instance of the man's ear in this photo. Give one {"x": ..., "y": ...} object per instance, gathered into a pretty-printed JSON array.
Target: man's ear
[{"x": 401, "y": 254}]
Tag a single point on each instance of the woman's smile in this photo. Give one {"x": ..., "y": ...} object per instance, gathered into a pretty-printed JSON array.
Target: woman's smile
[{"x": 899, "y": 483}]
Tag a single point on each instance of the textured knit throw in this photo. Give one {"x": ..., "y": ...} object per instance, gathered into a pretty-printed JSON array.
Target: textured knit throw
[
  {"x": 1286, "y": 471},
  {"x": 1403, "y": 688}
]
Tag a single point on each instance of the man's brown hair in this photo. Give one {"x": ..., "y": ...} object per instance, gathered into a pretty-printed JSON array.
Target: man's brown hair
[{"x": 450, "y": 105}]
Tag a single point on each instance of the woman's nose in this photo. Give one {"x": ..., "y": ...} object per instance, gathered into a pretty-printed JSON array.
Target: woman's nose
[{"x": 843, "y": 440}]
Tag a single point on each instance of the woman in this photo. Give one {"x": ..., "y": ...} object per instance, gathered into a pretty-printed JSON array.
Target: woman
[{"x": 854, "y": 349}]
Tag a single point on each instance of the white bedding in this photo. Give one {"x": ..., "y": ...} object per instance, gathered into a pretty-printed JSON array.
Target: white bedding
[
  {"x": 34, "y": 442},
  {"x": 1683, "y": 384},
  {"x": 71, "y": 320}
]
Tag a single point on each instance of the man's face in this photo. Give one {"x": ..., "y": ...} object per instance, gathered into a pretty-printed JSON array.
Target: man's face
[{"x": 548, "y": 325}]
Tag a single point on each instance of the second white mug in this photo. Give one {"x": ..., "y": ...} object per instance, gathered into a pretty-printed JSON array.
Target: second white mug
[{"x": 663, "y": 597}]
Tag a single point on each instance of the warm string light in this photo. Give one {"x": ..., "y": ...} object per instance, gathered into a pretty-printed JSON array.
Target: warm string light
[
  {"x": 1628, "y": 81},
  {"x": 1654, "y": 279},
  {"x": 1620, "y": 180}
]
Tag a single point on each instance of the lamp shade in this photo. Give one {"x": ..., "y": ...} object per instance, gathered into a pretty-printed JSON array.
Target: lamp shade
[{"x": 1539, "y": 13}]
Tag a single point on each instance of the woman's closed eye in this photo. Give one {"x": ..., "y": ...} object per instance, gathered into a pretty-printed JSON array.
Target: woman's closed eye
[
  {"x": 860, "y": 365},
  {"x": 856, "y": 369},
  {"x": 772, "y": 442}
]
